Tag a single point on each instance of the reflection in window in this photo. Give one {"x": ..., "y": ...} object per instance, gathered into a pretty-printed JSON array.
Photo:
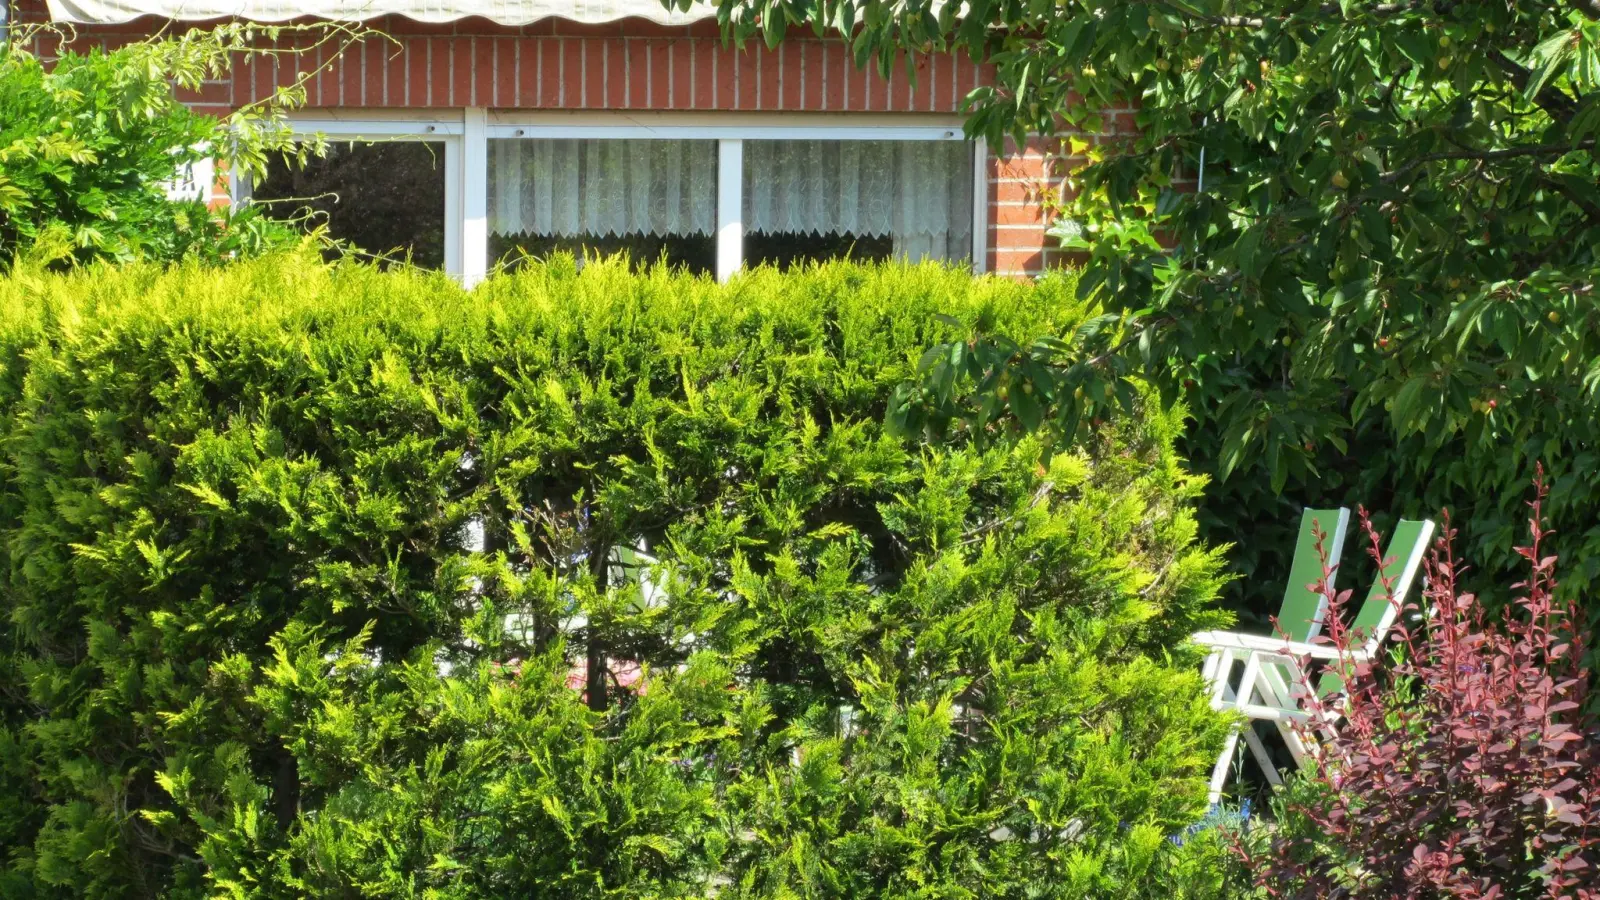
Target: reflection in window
[
  {"x": 654, "y": 199},
  {"x": 385, "y": 199},
  {"x": 824, "y": 199}
]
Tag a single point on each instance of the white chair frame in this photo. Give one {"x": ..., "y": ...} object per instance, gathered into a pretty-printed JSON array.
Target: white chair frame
[{"x": 1275, "y": 682}]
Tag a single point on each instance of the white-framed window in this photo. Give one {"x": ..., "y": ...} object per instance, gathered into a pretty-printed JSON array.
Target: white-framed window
[
  {"x": 711, "y": 192},
  {"x": 392, "y": 186}
]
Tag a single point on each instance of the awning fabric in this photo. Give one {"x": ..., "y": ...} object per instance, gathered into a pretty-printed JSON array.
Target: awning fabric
[{"x": 504, "y": 12}]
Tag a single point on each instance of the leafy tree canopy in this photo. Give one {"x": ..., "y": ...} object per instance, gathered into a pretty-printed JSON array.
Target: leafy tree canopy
[
  {"x": 1384, "y": 289},
  {"x": 88, "y": 142}
]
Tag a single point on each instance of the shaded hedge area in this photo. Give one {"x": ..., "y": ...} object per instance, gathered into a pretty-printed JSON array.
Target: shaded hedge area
[{"x": 724, "y": 636}]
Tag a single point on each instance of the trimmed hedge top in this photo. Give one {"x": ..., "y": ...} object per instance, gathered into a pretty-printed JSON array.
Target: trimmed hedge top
[{"x": 334, "y": 583}]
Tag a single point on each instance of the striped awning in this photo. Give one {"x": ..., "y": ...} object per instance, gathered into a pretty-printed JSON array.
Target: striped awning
[{"x": 504, "y": 12}]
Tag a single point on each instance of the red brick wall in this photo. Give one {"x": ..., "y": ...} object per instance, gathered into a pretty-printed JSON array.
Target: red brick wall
[{"x": 631, "y": 65}]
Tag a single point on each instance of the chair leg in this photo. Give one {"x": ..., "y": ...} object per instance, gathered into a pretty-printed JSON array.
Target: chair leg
[
  {"x": 1259, "y": 751},
  {"x": 1276, "y": 691},
  {"x": 1219, "y": 772},
  {"x": 1254, "y": 680},
  {"x": 1296, "y": 744},
  {"x": 1252, "y": 740},
  {"x": 1225, "y": 697}
]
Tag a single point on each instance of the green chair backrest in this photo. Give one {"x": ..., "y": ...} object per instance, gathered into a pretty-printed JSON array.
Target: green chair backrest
[
  {"x": 1300, "y": 617},
  {"x": 1408, "y": 544},
  {"x": 630, "y": 569}
]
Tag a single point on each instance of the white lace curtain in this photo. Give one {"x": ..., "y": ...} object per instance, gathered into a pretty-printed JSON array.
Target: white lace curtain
[
  {"x": 917, "y": 192},
  {"x": 570, "y": 188}
]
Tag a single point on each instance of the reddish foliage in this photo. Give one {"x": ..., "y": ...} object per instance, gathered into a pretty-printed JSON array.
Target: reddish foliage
[{"x": 1467, "y": 769}]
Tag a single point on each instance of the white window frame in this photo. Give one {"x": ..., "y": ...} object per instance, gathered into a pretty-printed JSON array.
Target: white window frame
[
  {"x": 466, "y": 133},
  {"x": 447, "y": 130}
]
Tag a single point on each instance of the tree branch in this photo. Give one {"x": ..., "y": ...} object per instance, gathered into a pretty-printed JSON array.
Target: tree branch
[
  {"x": 1553, "y": 101},
  {"x": 1590, "y": 210},
  {"x": 1487, "y": 156},
  {"x": 1381, "y": 10}
]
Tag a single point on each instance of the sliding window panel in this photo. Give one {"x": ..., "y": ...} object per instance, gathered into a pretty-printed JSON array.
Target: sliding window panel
[
  {"x": 383, "y": 200},
  {"x": 814, "y": 200},
  {"x": 654, "y": 200}
]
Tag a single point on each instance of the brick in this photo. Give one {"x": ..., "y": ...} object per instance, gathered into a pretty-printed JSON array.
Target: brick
[
  {"x": 705, "y": 63},
  {"x": 414, "y": 86},
  {"x": 1017, "y": 214},
  {"x": 658, "y": 63},
  {"x": 438, "y": 80},
  {"x": 468, "y": 72},
  {"x": 961, "y": 81},
  {"x": 791, "y": 75},
  {"x": 618, "y": 69},
  {"x": 484, "y": 67},
  {"x": 900, "y": 86},
  {"x": 1017, "y": 262},
  {"x": 680, "y": 83},
  {"x": 262, "y": 76},
  {"x": 877, "y": 89},
  {"x": 922, "y": 91},
  {"x": 594, "y": 74},
  {"x": 613, "y": 72},
  {"x": 812, "y": 73},
  {"x": 524, "y": 73},
  {"x": 747, "y": 80},
  {"x": 1029, "y": 168},
  {"x": 210, "y": 92},
  {"x": 769, "y": 78},
  {"x": 1002, "y": 192},
  {"x": 344, "y": 78},
  {"x": 1003, "y": 237},
  {"x": 525, "y": 63},
  {"x": 374, "y": 69},
  {"x": 855, "y": 82},
  {"x": 552, "y": 60},
  {"x": 322, "y": 90},
  {"x": 299, "y": 60},
  {"x": 505, "y": 72},
  {"x": 833, "y": 77},
  {"x": 569, "y": 88},
  {"x": 238, "y": 87}
]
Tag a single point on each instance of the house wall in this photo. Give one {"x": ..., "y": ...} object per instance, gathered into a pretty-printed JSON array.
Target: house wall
[{"x": 631, "y": 66}]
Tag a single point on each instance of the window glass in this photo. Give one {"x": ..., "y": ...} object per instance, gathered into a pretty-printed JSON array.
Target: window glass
[
  {"x": 385, "y": 199},
  {"x": 823, "y": 199},
  {"x": 653, "y": 199}
]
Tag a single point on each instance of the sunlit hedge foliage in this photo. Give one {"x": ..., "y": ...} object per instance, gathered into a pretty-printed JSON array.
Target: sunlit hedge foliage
[{"x": 249, "y": 646}]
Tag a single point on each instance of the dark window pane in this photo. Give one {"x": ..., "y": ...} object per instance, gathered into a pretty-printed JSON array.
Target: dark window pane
[
  {"x": 697, "y": 253},
  {"x": 385, "y": 199},
  {"x": 786, "y": 248}
]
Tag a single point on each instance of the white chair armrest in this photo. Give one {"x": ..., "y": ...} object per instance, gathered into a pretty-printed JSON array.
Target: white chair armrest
[{"x": 1255, "y": 643}]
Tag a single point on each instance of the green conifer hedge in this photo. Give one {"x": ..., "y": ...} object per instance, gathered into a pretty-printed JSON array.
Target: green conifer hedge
[{"x": 725, "y": 638}]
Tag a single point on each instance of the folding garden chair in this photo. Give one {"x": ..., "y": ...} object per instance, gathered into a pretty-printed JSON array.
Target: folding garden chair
[{"x": 1274, "y": 684}]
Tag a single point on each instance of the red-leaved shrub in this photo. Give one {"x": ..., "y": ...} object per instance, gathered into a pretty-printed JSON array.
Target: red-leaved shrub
[{"x": 1464, "y": 765}]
